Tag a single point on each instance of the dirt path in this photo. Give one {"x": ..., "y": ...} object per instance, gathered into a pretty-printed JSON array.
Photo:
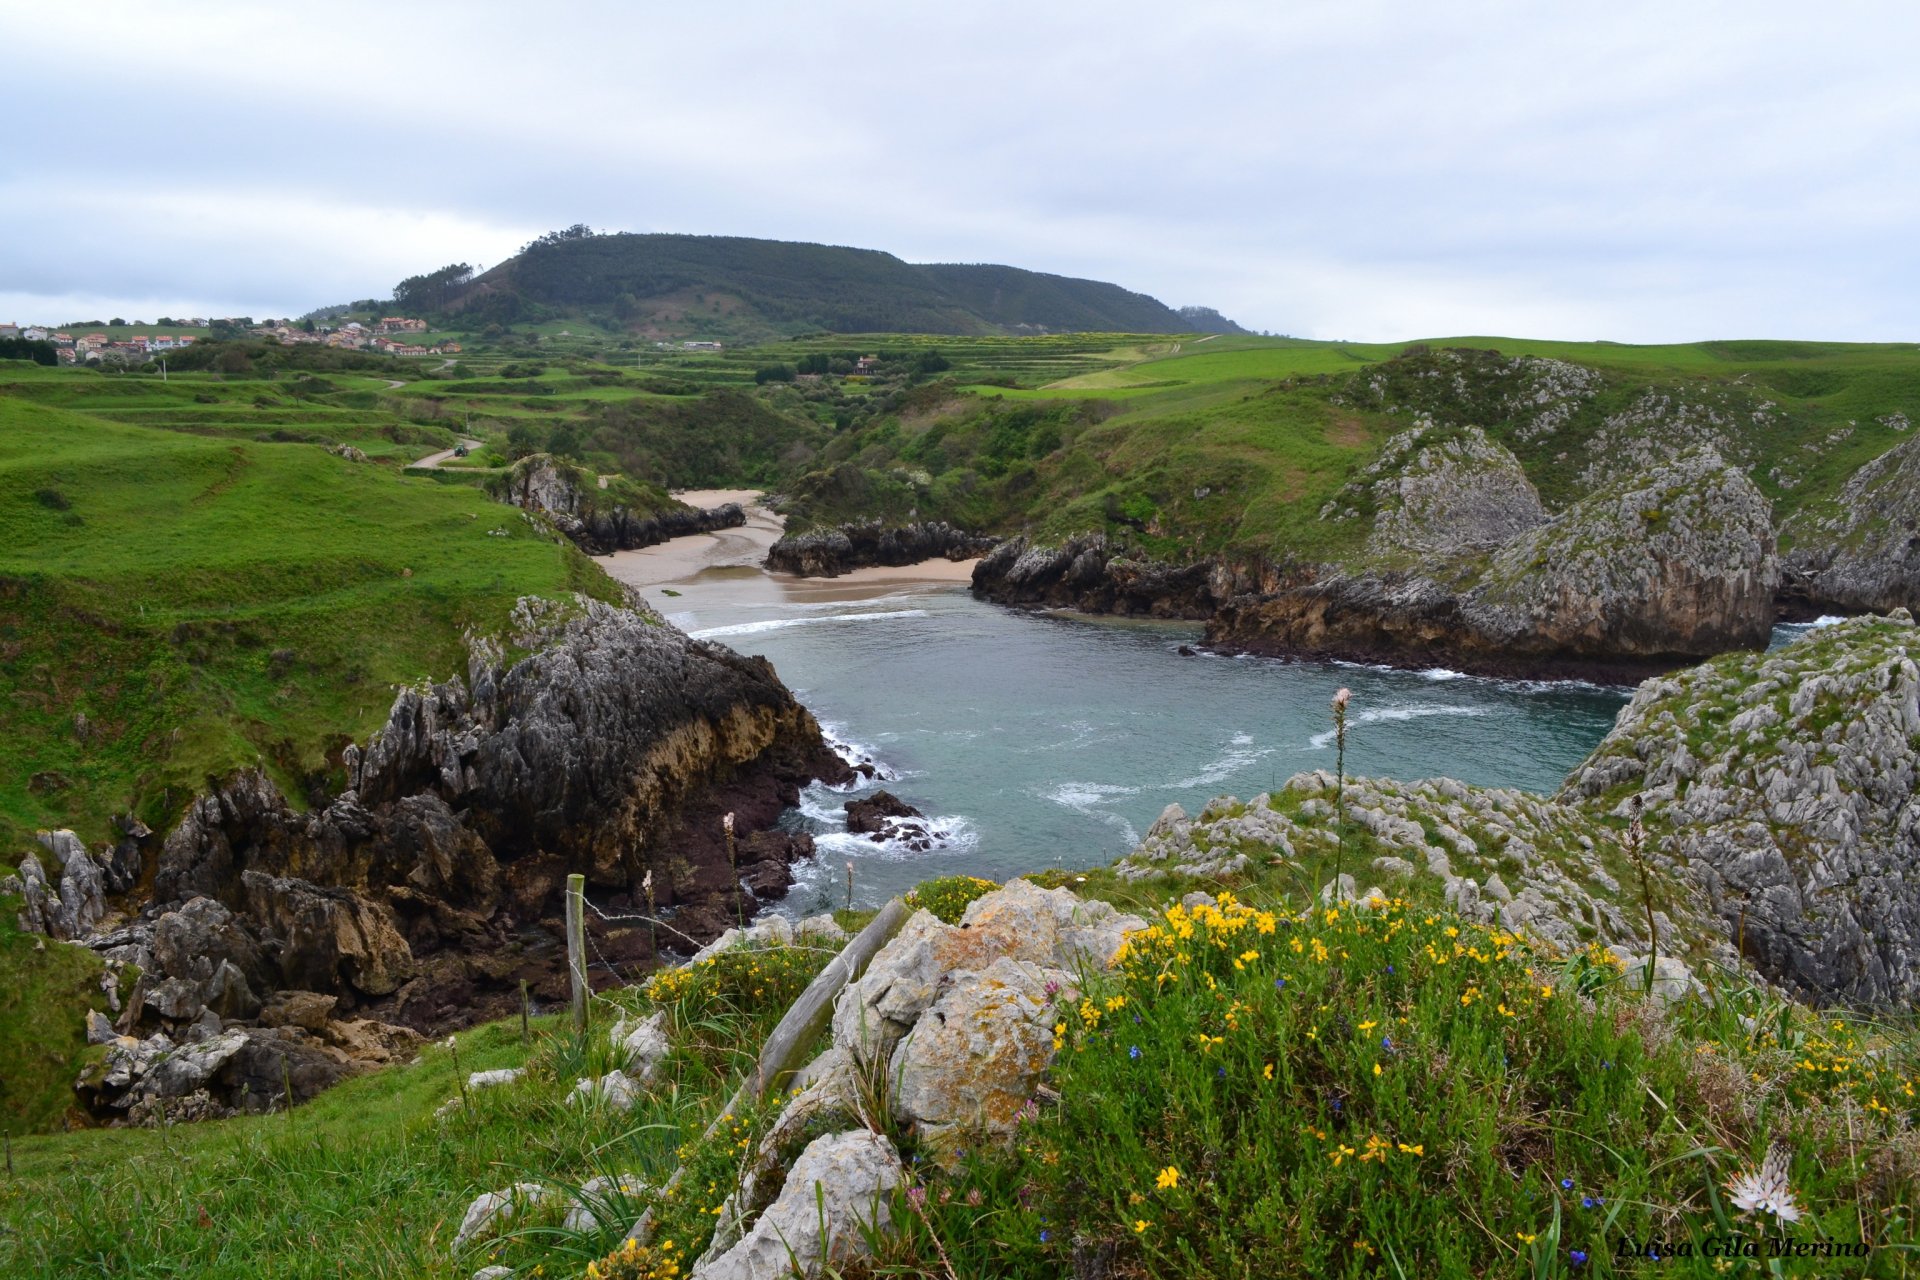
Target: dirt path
[{"x": 437, "y": 459}]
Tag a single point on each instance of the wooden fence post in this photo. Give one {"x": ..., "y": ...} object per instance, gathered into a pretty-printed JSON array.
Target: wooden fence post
[{"x": 577, "y": 949}]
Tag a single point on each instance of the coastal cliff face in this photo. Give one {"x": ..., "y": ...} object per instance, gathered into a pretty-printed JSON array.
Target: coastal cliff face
[
  {"x": 1861, "y": 552},
  {"x": 600, "y": 521},
  {"x": 1780, "y": 800},
  {"x": 1465, "y": 569},
  {"x": 429, "y": 888},
  {"x": 1669, "y": 567},
  {"x": 1092, "y": 575},
  {"x": 827, "y": 553},
  {"x": 1785, "y": 784}
]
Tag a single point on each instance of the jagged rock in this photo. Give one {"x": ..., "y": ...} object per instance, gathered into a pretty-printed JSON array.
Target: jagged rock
[
  {"x": 69, "y": 907},
  {"x": 1799, "y": 824},
  {"x": 1443, "y": 493},
  {"x": 612, "y": 749},
  {"x": 1861, "y": 550},
  {"x": 827, "y": 553},
  {"x": 158, "y": 1112},
  {"x": 327, "y": 938},
  {"x": 774, "y": 931},
  {"x": 1672, "y": 564},
  {"x": 837, "y": 1192},
  {"x": 1090, "y": 574},
  {"x": 494, "y": 1273},
  {"x": 1050, "y": 928},
  {"x": 368, "y": 1040},
  {"x": 885, "y": 818},
  {"x": 100, "y": 1029},
  {"x": 601, "y": 519},
  {"x": 492, "y": 1211},
  {"x": 494, "y": 1079},
  {"x": 307, "y": 1009},
  {"x": 191, "y": 1066}
]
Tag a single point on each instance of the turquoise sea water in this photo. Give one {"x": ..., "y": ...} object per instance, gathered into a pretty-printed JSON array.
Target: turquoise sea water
[{"x": 1038, "y": 740}]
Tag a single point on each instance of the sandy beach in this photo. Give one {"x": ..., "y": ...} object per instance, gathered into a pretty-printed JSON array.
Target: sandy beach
[{"x": 720, "y": 557}]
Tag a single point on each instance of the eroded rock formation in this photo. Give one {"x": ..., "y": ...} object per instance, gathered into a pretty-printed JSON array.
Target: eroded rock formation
[
  {"x": 1861, "y": 552},
  {"x": 428, "y": 888},
  {"x": 602, "y": 518},
  {"x": 827, "y": 553}
]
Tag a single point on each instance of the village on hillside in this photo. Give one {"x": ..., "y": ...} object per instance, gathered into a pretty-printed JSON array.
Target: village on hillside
[{"x": 389, "y": 336}]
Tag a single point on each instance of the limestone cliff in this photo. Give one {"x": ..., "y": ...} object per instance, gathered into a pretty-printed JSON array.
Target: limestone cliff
[
  {"x": 424, "y": 891},
  {"x": 1672, "y": 565},
  {"x": 1785, "y": 784},
  {"x": 1861, "y": 551},
  {"x": 827, "y": 553},
  {"x": 603, "y": 515}
]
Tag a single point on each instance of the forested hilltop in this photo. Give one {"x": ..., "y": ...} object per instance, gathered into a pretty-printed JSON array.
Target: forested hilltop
[{"x": 733, "y": 288}]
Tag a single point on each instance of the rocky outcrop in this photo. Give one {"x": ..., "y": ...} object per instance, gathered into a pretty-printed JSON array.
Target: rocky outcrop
[
  {"x": 950, "y": 1029},
  {"x": 887, "y": 819},
  {"x": 1673, "y": 566},
  {"x": 1785, "y": 784},
  {"x": 827, "y": 553},
  {"x": 1440, "y": 492},
  {"x": 1860, "y": 552},
  {"x": 428, "y": 888},
  {"x": 837, "y": 1194},
  {"x": 1092, "y": 575},
  {"x": 602, "y": 518},
  {"x": 1495, "y": 854}
]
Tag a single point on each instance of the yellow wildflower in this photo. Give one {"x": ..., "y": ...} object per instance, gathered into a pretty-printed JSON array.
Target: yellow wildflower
[
  {"x": 1139, "y": 1225},
  {"x": 1168, "y": 1179}
]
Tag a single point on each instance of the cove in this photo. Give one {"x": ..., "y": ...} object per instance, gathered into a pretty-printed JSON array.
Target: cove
[{"x": 1040, "y": 740}]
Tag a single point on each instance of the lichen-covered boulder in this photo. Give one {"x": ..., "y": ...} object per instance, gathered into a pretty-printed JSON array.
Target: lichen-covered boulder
[
  {"x": 837, "y": 1192},
  {"x": 975, "y": 1057}
]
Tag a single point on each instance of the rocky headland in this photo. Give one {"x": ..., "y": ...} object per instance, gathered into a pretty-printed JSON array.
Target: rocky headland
[
  {"x": 828, "y": 553},
  {"x": 423, "y": 892},
  {"x": 1628, "y": 535},
  {"x": 1775, "y": 796},
  {"x": 602, "y": 517}
]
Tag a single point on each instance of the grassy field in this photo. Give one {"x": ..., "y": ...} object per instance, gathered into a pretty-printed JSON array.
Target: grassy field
[
  {"x": 1258, "y": 1090},
  {"x": 181, "y": 600}
]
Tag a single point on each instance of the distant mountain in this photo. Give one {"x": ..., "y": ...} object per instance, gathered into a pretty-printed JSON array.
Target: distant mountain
[{"x": 731, "y": 287}]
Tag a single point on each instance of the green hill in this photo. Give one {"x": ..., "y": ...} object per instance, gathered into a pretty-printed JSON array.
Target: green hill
[{"x": 729, "y": 287}]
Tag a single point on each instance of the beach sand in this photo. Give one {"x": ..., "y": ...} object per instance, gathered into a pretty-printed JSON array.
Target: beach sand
[{"x": 681, "y": 561}]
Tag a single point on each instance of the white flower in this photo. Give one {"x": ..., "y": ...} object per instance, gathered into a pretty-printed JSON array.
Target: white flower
[
  {"x": 1766, "y": 1191},
  {"x": 727, "y": 822}
]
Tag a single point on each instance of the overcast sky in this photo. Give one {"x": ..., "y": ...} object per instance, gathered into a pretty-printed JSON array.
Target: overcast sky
[{"x": 1640, "y": 172}]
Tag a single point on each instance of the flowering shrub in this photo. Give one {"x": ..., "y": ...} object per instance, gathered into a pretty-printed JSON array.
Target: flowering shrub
[
  {"x": 631, "y": 1261},
  {"x": 1379, "y": 1089},
  {"x": 948, "y": 896}
]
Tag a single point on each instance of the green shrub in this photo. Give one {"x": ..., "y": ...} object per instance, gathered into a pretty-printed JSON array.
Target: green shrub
[
  {"x": 948, "y": 896},
  {"x": 1388, "y": 1092}
]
